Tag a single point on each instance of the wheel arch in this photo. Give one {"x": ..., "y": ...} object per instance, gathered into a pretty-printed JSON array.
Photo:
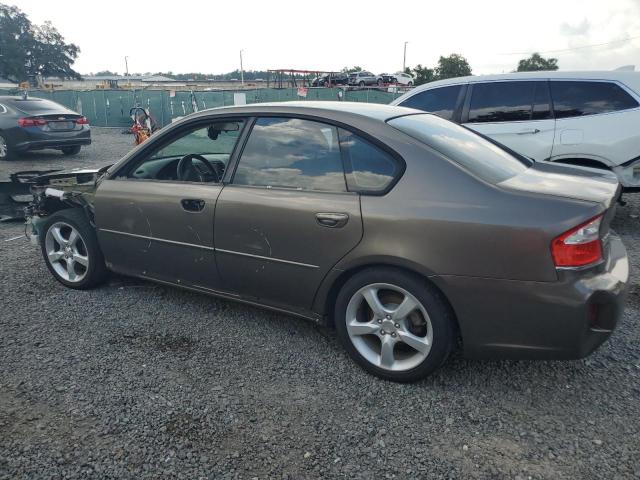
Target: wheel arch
[
  {"x": 328, "y": 292},
  {"x": 584, "y": 161}
]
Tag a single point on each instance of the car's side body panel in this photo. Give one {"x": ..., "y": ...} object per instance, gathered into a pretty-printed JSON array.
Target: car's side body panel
[
  {"x": 144, "y": 230},
  {"x": 270, "y": 245}
]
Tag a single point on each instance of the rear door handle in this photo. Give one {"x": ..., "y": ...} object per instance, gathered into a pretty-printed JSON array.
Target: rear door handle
[
  {"x": 332, "y": 220},
  {"x": 531, "y": 131},
  {"x": 192, "y": 204}
]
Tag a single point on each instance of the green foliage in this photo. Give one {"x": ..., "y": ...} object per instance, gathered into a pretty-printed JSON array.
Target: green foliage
[
  {"x": 455, "y": 65},
  {"x": 537, "y": 62},
  {"x": 421, "y": 74},
  {"x": 351, "y": 69},
  {"x": 29, "y": 50}
]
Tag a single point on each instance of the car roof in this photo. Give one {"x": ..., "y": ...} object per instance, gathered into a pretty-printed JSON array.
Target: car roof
[
  {"x": 631, "y": 79},
  {"x": 376, "y": 111}
]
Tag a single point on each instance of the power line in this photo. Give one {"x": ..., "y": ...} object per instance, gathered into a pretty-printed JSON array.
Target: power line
[{"x": 575, "y": 48}]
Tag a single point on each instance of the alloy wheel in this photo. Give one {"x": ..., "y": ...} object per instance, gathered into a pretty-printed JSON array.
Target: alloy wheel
[
  {"x": 389, "y": 327},
  {"x": 67, "y": 252},
  {"x": 4, "y": 148}
]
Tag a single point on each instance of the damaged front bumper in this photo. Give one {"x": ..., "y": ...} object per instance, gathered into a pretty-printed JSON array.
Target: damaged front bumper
[{"x": 15, "y": 194}]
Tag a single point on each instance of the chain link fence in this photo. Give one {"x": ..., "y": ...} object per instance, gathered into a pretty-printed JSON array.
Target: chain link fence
[{"x": 110, "y": 108}]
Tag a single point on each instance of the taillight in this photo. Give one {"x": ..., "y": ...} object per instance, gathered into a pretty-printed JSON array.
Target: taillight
[
  {"x": 579, "y": 246},
  {"x": 82, "y": 121},
  {"x": 31, "y": 122}
]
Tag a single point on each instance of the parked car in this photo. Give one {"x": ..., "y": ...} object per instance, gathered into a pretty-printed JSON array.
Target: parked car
[
  {"x": 364, "y": 78},
  {"x": 403, "y": 78},
  {"x": 387, "y": 78},
  {"x": 34, "y": 124},
  {"x": 335, "y": 79},
  {"x": 580, "y": 118},
  {"x": 402, "y": 229}
]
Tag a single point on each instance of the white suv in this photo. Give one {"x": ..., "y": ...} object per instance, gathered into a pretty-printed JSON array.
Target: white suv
[{"x": 590, "y": 119}]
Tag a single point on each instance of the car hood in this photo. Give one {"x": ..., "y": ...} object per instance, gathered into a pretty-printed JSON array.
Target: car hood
[
  {"x": 580, "y": 183},
  {"x": 68, "y": 177}
]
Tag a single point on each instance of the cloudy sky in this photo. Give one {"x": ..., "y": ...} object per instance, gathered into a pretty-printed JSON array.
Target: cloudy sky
[{"x": 206, "y": 36}]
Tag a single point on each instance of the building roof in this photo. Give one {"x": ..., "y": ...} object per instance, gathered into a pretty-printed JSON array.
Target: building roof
[{"x": 137, "y": 78}]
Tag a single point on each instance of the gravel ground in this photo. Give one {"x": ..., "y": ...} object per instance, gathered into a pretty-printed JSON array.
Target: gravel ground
[{"x": 136, "y": 380}]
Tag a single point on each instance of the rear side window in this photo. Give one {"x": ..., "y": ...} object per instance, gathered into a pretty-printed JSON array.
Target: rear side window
[
  {"x": 439, "y": 101},
  {"x": 292, "y": 153},
  {"x": 479, "y": 156},
  {"x": 501, "y": 102},
  {"x": 575, "y": 99},
  {"x": 368, "y": 168}
]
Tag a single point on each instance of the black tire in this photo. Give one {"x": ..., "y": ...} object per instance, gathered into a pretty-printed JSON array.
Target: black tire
[
  {"x": 6, "y": 152},
  {"x": 96, "y": 272},
  {"x": 380, "y": 82},
  {"x": 71, "y": 150},
  {"x": 361, "y": 84},
  {"x": 438, "y": 311},
  {"x": 410, "y": 84}
]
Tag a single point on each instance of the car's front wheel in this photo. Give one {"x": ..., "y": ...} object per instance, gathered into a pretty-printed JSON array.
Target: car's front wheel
[
  {"x": 71, "y": 251},
  {"x": 394, "y": 324},
  {"x": 71, "y": 150}
]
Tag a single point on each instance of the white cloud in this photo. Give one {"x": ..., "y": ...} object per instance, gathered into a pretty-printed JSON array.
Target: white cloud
[{"x": 207, "y": 36}]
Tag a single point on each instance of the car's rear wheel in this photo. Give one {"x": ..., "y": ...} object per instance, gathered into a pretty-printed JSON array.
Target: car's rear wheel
[
  {"x": 5, "y": 149},
  {"x": 71, "y": 251},
  {"x": 394, "y": 324},
  {"x": 361, "y": 84},
  {"x": 71, "y": 150}
]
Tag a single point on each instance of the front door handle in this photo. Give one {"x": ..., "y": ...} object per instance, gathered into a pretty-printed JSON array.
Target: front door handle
[
  {"x": 332, "y": 220},
  {"x": 531, "y": 131},
  {"x": 192, "y": 204}
]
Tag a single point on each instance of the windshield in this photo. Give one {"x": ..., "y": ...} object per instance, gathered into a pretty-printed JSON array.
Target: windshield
[{"x": 488, "y": 160}]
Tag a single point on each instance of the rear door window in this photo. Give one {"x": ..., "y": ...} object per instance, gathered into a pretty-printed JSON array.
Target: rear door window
[
  {"x": 368, "y": 167},
  {"x": 501, "y": 102},
  {"x": 439, "y": 101},
  {"x": 579, "y": 98},
  {"x": 292, "y": 153}
]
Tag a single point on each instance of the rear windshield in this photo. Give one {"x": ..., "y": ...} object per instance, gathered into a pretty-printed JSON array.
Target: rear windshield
[
  {"x": 486, "y": 159},
  {"x": 35, "y": 105}
]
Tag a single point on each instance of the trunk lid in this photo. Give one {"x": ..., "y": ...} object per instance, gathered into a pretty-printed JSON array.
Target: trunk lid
[{"x": 580, "y": 183}]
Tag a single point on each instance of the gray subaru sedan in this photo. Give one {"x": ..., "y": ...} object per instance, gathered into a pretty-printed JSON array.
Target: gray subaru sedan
[{"x": 405, "y": 231}]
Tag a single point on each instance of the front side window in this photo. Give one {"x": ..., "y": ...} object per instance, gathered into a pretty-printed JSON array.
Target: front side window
[
  {"x": 464, "y": 147},
  {"x": 575, "y": 99},
  {"x": 439, "y": 101},
  {"x": 292, "y": 153},
  {"x": 368, "y": 167},
  {"x": 501, "y": 102},
  {"x": 200, "y": 154}
]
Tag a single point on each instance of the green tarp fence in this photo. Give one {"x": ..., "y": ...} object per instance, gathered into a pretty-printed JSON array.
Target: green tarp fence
[{"x": 110, "y": 108}]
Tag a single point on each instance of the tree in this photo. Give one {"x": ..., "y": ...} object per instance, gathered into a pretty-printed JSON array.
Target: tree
[
  {"x": 455, "y": 65},
  {"x": 421, "y": 74},
  {"x": 351, "y": 70},
  {"x": 29, "y": 50},
  {"x": 105, "y": 73},
  {"x": 537, "y": 62}
]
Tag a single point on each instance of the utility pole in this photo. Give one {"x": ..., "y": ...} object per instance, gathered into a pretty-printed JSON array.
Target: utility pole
[
  {"x": 404, "y": 59},
  {"x": 241, "y": 70},
  {"x": 126, "y": 66}
]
